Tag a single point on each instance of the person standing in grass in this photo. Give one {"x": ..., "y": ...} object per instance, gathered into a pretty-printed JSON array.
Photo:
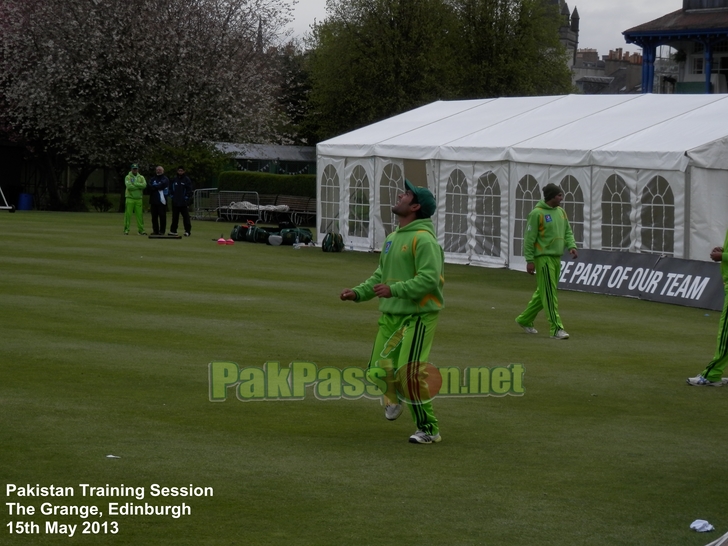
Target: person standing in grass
[
  {"x": 135, "y": 184},
  {"x": 158, "y": 191},
  {"x": 711, "y": 376},
  {"x": 180, "y": 192},
  {"x": 548, "y": 232},
  {"x": 408, "y": 283}
]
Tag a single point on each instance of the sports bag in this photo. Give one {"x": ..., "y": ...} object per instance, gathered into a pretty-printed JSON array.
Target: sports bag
[
  {"x": 333, "y": 242},
  {"x": 289, "y": 236}
]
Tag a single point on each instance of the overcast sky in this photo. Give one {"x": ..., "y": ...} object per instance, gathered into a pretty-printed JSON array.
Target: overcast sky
[{"x": 601, "y": 26}]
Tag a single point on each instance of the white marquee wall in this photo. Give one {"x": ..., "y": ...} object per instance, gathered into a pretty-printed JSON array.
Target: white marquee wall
[{"x": 482, "y": 207}]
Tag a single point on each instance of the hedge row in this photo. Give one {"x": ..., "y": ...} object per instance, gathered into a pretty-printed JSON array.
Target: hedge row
[{"x": 303, "y": 185}]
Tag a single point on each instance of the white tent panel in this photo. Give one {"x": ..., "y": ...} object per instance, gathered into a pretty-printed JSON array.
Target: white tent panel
[
  {"x": 708, "y": 195},
  {"x": 642, "y": 173},
  {"x": 359, "y": 202}
]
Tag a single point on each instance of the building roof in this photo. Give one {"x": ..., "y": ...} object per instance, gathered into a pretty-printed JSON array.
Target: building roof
[
  {"x": 684, "y": 22},
  {"x": 268, "y": 152}
]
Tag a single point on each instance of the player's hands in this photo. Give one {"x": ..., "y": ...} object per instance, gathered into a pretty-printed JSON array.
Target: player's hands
[
  {"x": 717, "y": 254},
  {"x": 382, "y": 291},
  {"x": 347, "y": 294},
  {"x": 574, "y": 253},
  {"x": 531, "y": 268}
]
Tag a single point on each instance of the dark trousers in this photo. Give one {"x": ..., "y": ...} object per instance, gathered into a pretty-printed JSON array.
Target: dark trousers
[
  {"x": 176, "y": 211},
  {"x": 159, "y": 218}
]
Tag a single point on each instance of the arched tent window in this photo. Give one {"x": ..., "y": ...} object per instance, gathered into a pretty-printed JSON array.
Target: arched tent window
[
  {"x": 527, "y": 196},
  {"x": 391, "y": 183},
  {"x": 658, "y": 217},
  {"x": 573, "y": 205},
  {"x": 616, "y": 209},
  {"x": 488, "y": 215},
  {"x": 456, "y": 213},
  {"x": 329, "y": 200},
  {"x": 359, "y": 203}
]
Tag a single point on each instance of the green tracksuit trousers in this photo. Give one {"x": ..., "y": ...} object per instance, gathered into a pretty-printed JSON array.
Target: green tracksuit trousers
[
  {"x": 403, "y": 342},
  {"x": 133, "y": 206},
  {"x": 714, "y": 370},
  {"x": 548, "y": 269}
]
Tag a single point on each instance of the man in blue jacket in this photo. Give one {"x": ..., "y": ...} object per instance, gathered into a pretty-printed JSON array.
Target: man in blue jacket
[
  {"x": 180, "y": 193},
  {"x": 158, "y": 192}
]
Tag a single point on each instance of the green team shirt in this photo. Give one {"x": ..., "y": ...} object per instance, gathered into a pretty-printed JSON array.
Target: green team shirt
[
  {"x": 412, "y": 264},
  {"x": 547, "y": 232},
  {"x": 134, "y": 186}
]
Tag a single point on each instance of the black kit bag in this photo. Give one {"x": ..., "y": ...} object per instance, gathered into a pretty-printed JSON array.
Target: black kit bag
[{"x": 333, "y": 242}]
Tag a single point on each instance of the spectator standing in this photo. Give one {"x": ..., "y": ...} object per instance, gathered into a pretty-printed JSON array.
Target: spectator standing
[
  {"x": 158, "y": 192},
  {"x": 135, "y": 184},
  {"x": 180, "y": 192}
]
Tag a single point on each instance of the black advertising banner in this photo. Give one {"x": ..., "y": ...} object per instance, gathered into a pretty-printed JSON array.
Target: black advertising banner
[{"x": 644, "y": 276}]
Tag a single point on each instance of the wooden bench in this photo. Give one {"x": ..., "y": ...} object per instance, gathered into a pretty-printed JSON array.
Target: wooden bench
[
  {"x": 301, "y": 210},
  {"x": 266, "y": 208}
]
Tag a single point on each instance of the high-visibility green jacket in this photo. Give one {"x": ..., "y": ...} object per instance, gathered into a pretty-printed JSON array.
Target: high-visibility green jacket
[
  {"x": 547, "y": 232},
  {"x": 134, "y": 186},
  {"x": 412, "y": 264}
]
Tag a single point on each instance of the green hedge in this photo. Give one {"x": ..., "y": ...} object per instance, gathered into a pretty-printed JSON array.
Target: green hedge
[{"x": 268, "y": 184}]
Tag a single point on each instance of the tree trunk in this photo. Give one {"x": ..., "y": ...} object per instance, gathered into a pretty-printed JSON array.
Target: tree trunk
[
  {"x": 75, "y": 196},
  {"x": 54, "y": 194}
]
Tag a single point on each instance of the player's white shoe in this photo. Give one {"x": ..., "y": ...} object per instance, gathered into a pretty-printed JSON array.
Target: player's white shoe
[
  {"x": 560, "y": 334},
  {"x": 528, "y": 329},
  {"x": 700, "y": 381},
  {"x": 392, "y": 411},
  {"x": 420, "y": 437}
]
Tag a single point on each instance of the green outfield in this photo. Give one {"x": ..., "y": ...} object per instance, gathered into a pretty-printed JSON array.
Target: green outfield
[{"x": 105, "y": 342}]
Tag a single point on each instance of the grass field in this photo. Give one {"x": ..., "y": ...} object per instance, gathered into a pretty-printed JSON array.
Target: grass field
[{"x": 105, "y": 342}]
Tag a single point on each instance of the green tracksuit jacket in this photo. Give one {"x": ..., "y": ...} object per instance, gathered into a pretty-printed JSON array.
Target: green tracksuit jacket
[
  {"x": 134, "y": 186},
  {"x": 547, "y": 232},
  {"x": 412, "y": 265}
]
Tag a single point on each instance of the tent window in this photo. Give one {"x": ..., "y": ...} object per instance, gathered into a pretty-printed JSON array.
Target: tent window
[
  {"x": 456, "y": 213},
  {"x": 574, "y": 207},
  {"x": 658, "y": 218},
  {"x": 329, "y": 200},
  {"x": 359, "y": 203},
  {"x": 527, "y": 197},
  {"x": 488, "y": 216},
  {"x": 391, "y": 183},
  {"x": 616, "y": 209}
]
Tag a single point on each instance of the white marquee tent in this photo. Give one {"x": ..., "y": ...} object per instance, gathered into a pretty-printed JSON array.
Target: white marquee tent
[{"x": 640, "y": 173}]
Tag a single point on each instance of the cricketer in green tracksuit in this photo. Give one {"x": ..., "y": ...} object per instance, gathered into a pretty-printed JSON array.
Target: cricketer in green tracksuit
[
  {"x": 135, "y": 184},
  {"x": 408, "y": 282},
  {"x": 547, "y": 234},
  {"x": 713, "y": 372}
]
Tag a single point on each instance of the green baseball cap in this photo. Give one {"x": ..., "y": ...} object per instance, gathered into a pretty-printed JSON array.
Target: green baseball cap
[
  {"x": 426, "y": 200},
  {"x": 134, "y": 166}
]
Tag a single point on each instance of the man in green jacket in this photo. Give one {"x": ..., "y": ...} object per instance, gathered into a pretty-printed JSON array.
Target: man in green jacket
[
  {"x": 408, "y": 283},
  {"x": 547, "y": 233},
  {"x": 135, "y": 184},
  {"x": 711, "y": 375}
]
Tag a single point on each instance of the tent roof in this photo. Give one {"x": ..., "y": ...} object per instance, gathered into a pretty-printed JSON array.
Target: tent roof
[{"x": 662, "y": 132}]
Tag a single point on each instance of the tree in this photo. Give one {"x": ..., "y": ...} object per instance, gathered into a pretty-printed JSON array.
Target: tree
[
  {"x": 98, "y": 83},
  {"x": 371, "y": 59},
  {"x": 510, "y": 48}
]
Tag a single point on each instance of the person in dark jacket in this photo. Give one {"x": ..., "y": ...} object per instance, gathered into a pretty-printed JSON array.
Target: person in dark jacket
[
  {"x": 180, "y": 193},
  {"x": 158, "y": 192}
]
